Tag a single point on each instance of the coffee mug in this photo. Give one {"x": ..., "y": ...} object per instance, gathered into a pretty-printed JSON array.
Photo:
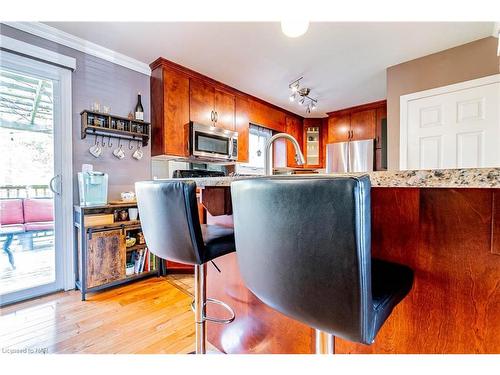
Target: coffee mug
[
  {"x": 119, "y": 153},
  {"x": 138, "y": 154},
  {"x": 96, "y": 150},
  {"x": 132, "y": 213}
]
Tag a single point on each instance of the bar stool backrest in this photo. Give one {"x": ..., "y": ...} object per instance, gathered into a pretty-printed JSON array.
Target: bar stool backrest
[
  {"x": 169, "y": 219},
  {"x": 303, "y": 248}
]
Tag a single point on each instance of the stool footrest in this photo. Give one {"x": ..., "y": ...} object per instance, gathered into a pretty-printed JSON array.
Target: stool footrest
[{"x": 216, "y": 320}]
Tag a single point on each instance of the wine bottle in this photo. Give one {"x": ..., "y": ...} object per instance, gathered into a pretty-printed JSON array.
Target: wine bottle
[{"x": 139, "y": 110}]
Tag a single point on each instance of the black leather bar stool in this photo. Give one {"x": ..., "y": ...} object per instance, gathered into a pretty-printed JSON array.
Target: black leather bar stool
[
  {"x": 171, "y": 226},
  {"x": 303, "y": 247}
]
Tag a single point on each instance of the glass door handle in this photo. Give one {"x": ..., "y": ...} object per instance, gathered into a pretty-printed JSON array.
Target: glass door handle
[{"x": 51, "y": 184}]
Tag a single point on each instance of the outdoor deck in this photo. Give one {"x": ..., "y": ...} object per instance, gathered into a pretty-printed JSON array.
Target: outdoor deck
[{"x": 33, "y": 266}]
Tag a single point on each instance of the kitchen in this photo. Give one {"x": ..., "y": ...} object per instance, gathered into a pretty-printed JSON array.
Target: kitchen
[{"x": 433, "y": 205}]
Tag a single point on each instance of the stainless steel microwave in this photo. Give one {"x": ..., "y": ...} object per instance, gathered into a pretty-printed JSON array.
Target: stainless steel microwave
[{"x": 213, "y": 143}]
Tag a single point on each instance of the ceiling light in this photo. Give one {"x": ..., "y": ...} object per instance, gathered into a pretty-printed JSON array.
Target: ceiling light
[
  {"x": 292, "y": 97},
  {"x": 301, "y": 101},
  {"x": 313, "y": 106},
  {"x": 294, "y": 28}
]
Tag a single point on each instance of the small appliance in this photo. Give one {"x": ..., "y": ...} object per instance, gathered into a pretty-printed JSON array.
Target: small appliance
[
  {"x": 93, "y": 188},
  {"x": 213, "y": 143}
]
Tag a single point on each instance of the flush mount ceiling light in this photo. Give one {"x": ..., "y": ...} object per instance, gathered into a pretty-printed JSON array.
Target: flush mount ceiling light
[
  {"x": 294, "y": 28},
  {"x": 302, "y": 94}
]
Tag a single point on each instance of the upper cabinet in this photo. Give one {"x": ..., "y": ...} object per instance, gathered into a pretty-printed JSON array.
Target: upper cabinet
[
  {"x": 201, "y": 102},
  {"x": 363, "y": 125},
  {"x": 242, "y": 122},
  {"x": 169, "y": 112},
  {"x": 211, "y": 106},
  {"x": 339, "y": 128},
  {"x": 180, "y": 96}
]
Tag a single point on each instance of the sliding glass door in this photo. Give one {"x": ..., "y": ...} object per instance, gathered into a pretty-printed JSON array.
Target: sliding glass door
[{"x": 31, "y": 256}]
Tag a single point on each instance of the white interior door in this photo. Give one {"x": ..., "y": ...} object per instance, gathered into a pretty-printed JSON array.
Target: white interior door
[
  {"x": 456, "y": 126},
  {"x": 35, "y": 183}
]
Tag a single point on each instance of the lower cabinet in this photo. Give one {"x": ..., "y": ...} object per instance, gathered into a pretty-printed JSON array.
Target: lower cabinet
[{"x": 105, "y": 257}]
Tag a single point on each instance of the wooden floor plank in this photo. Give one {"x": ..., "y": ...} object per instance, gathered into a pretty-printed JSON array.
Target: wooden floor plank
[{"x": 148, "y": 316}]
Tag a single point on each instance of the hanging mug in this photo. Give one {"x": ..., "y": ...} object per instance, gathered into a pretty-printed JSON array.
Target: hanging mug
[
  {"x": 118, "y": 152},
  {"x": 96, "y": 149},
  {"x": 138, "y": 154}
]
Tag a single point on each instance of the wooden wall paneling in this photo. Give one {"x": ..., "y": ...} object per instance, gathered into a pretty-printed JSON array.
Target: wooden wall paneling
[
  {"x": 455, "y": 301},
  {"x": 495, "y": 223},
  {"x": 339, "y": 127},
  {"x": 295, "y": 129},
  {"x": 157, "y": 112},
  {"x": 106, "y": 257},
  {"x": 201, "y": 101},
  {"x": 225, "y": 110},
  {"x": 242, "y": 127},
  {"x": 176, "y": 114},
  {"x": 363, "y": 125}
]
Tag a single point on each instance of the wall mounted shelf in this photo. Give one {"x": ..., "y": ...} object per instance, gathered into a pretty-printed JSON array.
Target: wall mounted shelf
[{"x": 104, "y": 124}]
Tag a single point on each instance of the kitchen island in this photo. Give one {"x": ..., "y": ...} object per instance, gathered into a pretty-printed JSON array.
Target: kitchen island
[{"x": 444, "y": 224}]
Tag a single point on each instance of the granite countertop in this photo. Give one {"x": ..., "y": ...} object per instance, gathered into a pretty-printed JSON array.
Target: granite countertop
[{"x": 439, "y": 178}]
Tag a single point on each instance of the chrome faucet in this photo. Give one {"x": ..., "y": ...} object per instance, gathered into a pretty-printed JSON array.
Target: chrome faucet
[{"x": 299, "y": 157}]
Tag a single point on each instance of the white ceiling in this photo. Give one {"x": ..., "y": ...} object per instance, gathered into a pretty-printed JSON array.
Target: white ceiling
[{"x": 344, "y": 64}]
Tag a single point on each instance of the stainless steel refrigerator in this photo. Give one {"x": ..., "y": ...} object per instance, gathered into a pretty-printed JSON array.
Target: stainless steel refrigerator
[{"x": 354, "y": 156}]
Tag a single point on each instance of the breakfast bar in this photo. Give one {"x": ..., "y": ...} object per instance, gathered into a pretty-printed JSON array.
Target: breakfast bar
[{"x": 444, "y": 224}]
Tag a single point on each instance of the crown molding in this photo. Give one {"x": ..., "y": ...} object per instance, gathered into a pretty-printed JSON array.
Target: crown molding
[{"x": 60, "y": 37}]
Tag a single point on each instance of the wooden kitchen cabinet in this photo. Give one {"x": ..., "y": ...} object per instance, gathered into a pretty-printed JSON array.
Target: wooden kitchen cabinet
[
  {"x": 339, "y": 128},
  {"x": 363, "y": 125},
  {"x": 242, "y": 127},
  {"x": 294, "y": 128},
  {"x": 201, "y": 102},
  {"x": 169, "y": 112},
  {"x": 180, "y": 96},
  {"x": 224, "y": 110},
  {"x": 210, "y": 106}
]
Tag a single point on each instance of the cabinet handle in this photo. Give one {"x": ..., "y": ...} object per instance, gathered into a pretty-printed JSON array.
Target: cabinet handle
[
  {"x": 216, "y": 116},
  {"x": 212, "y": 116}
]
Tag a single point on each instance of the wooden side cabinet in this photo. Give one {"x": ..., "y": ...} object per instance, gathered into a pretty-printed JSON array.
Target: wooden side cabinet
[
  {"x": 105, "y": 257},
  {"x": 101, "y": 253}
]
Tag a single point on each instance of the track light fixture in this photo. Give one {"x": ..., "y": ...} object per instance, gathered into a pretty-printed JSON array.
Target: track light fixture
[{"x": 303, "y": 94}]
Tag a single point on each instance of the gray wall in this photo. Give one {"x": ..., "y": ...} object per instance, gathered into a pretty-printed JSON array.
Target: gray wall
[{"x": 116, "y": 86}]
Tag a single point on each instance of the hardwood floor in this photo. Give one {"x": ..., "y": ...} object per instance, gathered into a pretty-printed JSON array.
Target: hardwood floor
[{"x": 150, "y": 316}]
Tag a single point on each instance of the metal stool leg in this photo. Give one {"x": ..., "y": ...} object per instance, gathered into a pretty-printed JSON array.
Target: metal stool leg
[
  {"x": 324, "y": 343},
  {"x": 200, "y": 298}
]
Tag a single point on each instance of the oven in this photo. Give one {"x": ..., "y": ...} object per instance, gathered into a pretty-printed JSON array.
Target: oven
[{"x": 210, "y": 142}]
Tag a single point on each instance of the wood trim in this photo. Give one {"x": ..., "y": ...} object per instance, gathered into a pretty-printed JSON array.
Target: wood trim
[
  {"x": 361, "y": 107},
  {"x": 162, "y": 62}
]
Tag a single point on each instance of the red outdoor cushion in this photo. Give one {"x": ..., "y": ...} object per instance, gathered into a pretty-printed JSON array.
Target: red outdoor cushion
[
  {"x": 14, "y": 228},
  {"x": 38, "y": 210},
  {"x": 11, "y": 211},
  {"x": 44, "y": 225}
]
